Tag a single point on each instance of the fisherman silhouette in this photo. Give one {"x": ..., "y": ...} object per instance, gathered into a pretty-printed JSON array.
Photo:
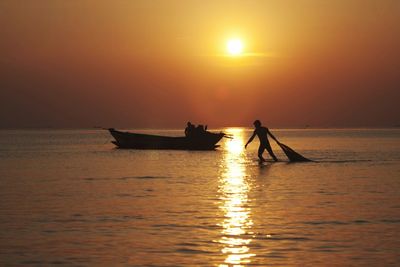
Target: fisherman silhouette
[{"x": 262, "y": 133}]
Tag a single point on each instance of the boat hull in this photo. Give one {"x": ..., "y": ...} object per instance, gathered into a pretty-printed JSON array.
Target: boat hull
[{"x": 205, "y": 141}]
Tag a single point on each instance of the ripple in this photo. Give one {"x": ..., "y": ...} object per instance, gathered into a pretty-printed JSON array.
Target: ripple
[
  {"x": 172, "y": 225},
  {"x": 345, "y": 161},
  {"x": 43, "y": 263},
  {"x": 125, "y": 195},
  {"x": 276, "y": 255},
  {"x": 289, "y": 238},
  {"x": 143, "y": 177},
  {"x": 330, "y": 193},
  {"x": 192, "y": 251},
  {"x": 189, "y": 244},
  {"x": 124, "y": 178},
  {"x": 330, "y": 248},
  {"x": 325, "y": 222},
  {"x": 33, "y": 262},
  {"x": 96, "y": 179},
  {"x": 391, "y": 221},
  {"x": 119, "y": 218},
  {"x": 361, "y": 221}
]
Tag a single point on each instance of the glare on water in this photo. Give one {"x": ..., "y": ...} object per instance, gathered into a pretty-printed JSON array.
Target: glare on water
[
  {"x": 234, "y": 189},
  {"x": 68, "y": 197}
]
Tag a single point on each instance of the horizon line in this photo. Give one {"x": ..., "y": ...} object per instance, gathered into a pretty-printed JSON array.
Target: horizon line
[{"x": 178, "y": 128}]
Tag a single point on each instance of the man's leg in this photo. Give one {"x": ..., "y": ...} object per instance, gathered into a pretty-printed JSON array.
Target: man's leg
[
  {"x": 269, "y": 149},
  {"x": 260, "y": 152}
]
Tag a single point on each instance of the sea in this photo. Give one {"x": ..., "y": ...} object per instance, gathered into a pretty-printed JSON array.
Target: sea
[{"x": 70, "y": 198}]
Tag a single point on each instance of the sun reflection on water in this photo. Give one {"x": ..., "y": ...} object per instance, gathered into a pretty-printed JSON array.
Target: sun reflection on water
[{"x": 234, "y": 189}]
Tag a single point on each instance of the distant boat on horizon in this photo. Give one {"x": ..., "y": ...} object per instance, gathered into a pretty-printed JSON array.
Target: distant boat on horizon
[{"x": 203, "y": 141}]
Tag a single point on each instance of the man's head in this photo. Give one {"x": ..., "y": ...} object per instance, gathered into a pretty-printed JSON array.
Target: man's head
[{"x": 257, "y": 123}]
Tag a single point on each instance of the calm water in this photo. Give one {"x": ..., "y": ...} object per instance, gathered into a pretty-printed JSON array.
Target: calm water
[{"x": 68, "y": 197}]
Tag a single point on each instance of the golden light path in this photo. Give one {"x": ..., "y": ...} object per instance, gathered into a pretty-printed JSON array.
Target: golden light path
[{"x": 234, "y": 189}]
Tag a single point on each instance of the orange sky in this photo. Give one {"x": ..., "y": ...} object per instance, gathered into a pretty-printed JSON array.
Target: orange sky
[{"x": 161, "y": 63}]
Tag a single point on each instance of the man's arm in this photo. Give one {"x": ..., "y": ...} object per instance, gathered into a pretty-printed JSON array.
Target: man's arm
[
  {"x": 251, "y": 139},
  {"x": 273, "y": 137}
]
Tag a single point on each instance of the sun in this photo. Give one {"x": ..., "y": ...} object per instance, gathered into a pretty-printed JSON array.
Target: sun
[{"x": 234, "y": 47}]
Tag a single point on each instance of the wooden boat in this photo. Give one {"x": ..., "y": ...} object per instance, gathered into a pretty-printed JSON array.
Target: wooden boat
[{"x": 200, "y": 141}]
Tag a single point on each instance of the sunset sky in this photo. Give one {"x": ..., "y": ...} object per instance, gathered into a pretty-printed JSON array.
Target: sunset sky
[{"x": 162, "y": 63}]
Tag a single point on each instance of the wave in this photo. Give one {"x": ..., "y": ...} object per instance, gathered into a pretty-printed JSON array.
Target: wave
[{"x": 123, "y": 178}]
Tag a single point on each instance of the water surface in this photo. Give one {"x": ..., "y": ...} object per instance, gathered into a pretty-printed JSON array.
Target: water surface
[{"x": 68, "y": 197}]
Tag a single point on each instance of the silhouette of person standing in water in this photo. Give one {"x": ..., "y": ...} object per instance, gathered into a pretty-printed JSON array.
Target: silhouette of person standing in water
[{"x": 262, "y": 133}]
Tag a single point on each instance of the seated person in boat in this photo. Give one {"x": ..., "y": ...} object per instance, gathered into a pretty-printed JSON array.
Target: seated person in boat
[
  {"x": 200, "y": 130},
  {"x": 189, "y": 130}
]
